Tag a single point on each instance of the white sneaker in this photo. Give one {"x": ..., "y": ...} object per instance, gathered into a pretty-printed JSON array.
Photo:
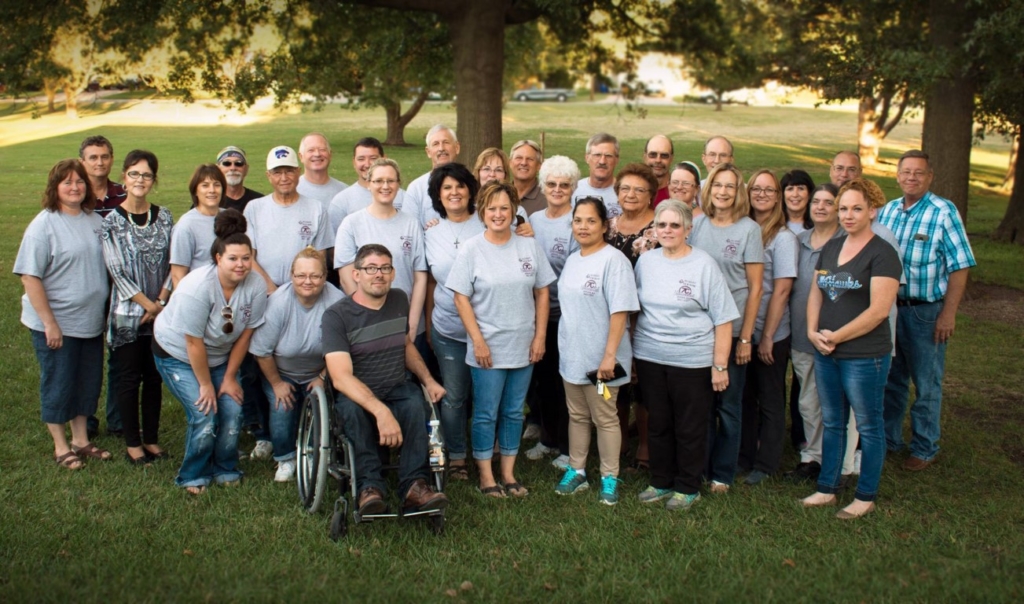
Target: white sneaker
[
  {"x": 561, "y": 462},
  {"x": 538, "y": 452},
  {"x": 856, "y": 462},
  {"x": 285, "y": 471},
  {"x": 264, "y": 449},
  {"x": 532, "y": 432}
]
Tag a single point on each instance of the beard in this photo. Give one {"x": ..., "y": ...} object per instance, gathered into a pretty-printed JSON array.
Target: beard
[{"x": 233, "y": 179}]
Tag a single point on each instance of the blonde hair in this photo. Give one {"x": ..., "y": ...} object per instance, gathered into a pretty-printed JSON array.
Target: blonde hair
[
  {"x": 311, "y": 253},
  {"x": 777, "y": 219},
  {"x": 740, "y": 205}
]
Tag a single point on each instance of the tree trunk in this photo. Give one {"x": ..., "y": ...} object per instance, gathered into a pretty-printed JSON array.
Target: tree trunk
[
  {"x": 1009, "y": 180},
  {"x": 50, "y": 88},
  {"x": 869, "y": 139},
  {"x": 718, "y": 99},
  {"x": 949, "y": 109},
  {"x": 397, "y": 121},
  {"x": 477, "y": 33},
  {"x": 71, "y": 101},
  {"x": 1011, "y": 228}
]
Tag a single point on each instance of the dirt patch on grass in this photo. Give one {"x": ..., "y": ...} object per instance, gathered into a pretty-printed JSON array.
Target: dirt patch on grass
[
  {"x": 1002, "y": 415},
  {"x": 997, "y": 303}
]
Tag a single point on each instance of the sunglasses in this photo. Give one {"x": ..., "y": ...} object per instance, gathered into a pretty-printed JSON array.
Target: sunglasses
[
  {"x": 236, "y": 163},
  {"x": 229, "y": 318}
]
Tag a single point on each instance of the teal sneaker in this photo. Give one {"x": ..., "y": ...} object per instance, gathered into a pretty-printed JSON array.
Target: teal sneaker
[
  {"x": 609, "y": 490},
  {"x": 651, "y": 494},
  {"x": 572, "y": 482},
  {"x": 680, "y": 502}
]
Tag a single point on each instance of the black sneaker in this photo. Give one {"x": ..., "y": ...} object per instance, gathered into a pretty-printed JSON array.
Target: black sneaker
[{"x": 805, "y": 472}]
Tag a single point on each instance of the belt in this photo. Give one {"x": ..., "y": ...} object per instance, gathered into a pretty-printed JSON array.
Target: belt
[{"x": 915, "y": 302}]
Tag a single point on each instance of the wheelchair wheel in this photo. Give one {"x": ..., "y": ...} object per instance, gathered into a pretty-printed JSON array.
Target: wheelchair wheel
[
  {"x": 313, "y": 450},
  {"x": 339, "y": 519},
  {"x": 437, "y": 524}
]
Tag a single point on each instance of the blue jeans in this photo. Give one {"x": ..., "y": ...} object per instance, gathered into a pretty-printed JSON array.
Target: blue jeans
[
  {"x": 858, "y": 384},
  {"x": 727, "y": 424},
  {"x": 70, "y": 377},
  {"x": 405, "y": 401},
  {"x": 917, "y": 358},
  {"x": 284, "y": 423},
  {"x": 498, "y": 393},
  {"x": 455, "y": 375},
  {"x": 211, "y": 441}
]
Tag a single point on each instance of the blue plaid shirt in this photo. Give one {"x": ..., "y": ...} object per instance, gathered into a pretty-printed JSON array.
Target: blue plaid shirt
[{"x": 934, "y": 244}]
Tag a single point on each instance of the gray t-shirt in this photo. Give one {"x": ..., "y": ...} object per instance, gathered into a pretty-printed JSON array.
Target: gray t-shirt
[
  {"x": 417, "y": 201},
  {"x": 607, "y": 194},
  {"x": 779, "y": 263},
  {"x": 441, "y": 251},
  {"x": 64, "y": 251},
  {"x": 499, "y": 281},
  {"x": 350, "y": 201},
  {"x": 197, "y": 309},
  {"x": 192, "y": 239},
  {"x": 733, "y": 247},
  {"x": 401, "y": 234},
  {"x": 280, "y": 232},
  {"x": 291, "y": 332},
  {"x": 889, "y": 237},
  {"x": 321, "y": 193},
  {"x": 555, "y": 237},
  {"x": 682, "y": 300},
  {"x": 796, "y": 226},
  {"x": 807, "y": 259},
  {"x": 593, "y": 288}
]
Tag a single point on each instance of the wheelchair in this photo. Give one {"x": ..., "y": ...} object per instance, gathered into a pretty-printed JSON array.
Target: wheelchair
[{"x": 323, "y": 451}]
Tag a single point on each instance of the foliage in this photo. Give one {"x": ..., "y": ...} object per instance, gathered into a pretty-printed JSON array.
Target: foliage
[{"x": 997, "y": 42}]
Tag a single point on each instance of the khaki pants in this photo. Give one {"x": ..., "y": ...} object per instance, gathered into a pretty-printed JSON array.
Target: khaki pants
[{"x": 586, "y": 408}]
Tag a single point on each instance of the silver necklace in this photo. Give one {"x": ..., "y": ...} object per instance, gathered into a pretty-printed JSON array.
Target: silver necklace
[{"x": 458, "y": 235}]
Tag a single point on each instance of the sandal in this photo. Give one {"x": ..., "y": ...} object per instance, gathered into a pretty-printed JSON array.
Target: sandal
[
  {"x": 516, "y": 490},
  {"x": 157, "y": 456},
  {"x": 70, "y": 461},
  {"x": 458, "y": 473},
  {"x": 136, "y": 461},
  {"x": 91, "y": 450},
  {"x": 496, "y": 491}
]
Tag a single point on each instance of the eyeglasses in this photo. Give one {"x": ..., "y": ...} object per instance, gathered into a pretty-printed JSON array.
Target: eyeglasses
[
  {"x": 229, "y": 319},
  {"x": 678, "y": 184},
  {"x": 656, "y": 155},
  {"x": 675, "y": 226},
  {"x": 146, "y": 176},
  {"x": 727, "y": 187},
  {"x": 380, "y": 182},
  {"x": 604, "y": 156},
  {"x": 845, "y": 169},
  {"x": 626, "y": 189},
  {"x": 490, "y": 170},
  {"x": 561, "y": 186},
  {"x": 718, "y": 156},
  {"x": 387, "y": 269},
  {"x": 763, "y": 191},
  {"x": 310, "y": 277},
  {"x": 904, "y": 173},
  {"x": 237, "y": 163}
]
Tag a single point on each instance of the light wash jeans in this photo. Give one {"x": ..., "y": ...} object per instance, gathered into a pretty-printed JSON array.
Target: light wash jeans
[{"x": 498, "y": 393}]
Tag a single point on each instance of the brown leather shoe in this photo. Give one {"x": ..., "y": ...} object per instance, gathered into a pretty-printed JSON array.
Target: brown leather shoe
[
  {"x": 916, "y": 464},
  {"x": 371, "y": 501},
  {"x": 421, "y": 498}
]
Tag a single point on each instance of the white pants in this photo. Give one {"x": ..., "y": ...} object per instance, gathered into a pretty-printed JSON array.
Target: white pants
[{"x": 810, "y": 411}]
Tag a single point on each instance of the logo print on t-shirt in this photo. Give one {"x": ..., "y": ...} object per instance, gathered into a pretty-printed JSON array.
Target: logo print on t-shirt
[
  {"x": 306, "y": 229},
  {"x": 732, "y": 248},
  {"x": 407, "y": 246},
  {"x": 245, "y": 312},
  {"x": 590, "y": 287},
  {"x": 558, "y": 249},
  {"x": 527, "y": 266},
  {"x": 685, "y": 291},
  {"x": 836, "y": 284}
]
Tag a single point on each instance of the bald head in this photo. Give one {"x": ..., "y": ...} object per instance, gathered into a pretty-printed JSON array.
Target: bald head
[
  {"x": 845, "y": 167},
  {"x": 659, "y": 155}
]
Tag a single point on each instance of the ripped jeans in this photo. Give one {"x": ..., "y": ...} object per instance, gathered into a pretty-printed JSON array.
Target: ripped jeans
[
  {"x": 211, "y": 441},
  {"x": 451, "y": 357}
]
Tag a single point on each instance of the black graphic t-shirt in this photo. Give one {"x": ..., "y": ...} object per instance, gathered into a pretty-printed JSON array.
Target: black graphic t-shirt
[{"x": 846, "y": 293}]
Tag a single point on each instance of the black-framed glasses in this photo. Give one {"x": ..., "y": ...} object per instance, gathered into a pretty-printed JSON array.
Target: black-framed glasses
[
  {"x": 229, "y": 319},
  {"x": 237, "y": 163},
  {"x": 657, "y": 155},
  {"x": 387, "y": 269},
  {"x": 136, "y": 175}
]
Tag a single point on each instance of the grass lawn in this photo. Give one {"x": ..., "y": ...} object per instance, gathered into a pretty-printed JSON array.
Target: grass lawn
[{"x": 116, "y": 533}]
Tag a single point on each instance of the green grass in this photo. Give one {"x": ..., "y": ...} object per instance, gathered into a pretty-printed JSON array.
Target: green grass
[{"x": 115, "y": 533}]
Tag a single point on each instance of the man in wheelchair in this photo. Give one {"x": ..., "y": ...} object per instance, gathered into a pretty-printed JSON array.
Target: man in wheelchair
[{"x": 367, "y": 348}]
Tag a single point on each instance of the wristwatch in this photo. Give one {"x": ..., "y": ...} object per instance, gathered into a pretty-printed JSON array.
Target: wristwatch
[
  {"x": 742, "y": 341},
  {"x": 720, "y": 368},
  {"x": 161, "y": 302}
]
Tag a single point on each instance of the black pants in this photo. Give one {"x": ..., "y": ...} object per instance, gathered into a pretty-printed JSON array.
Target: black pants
[
  {"x": 679, "y": 402},
  {"x": 132, "y": 368},
  {"x": 796, "y": 421},
  {"x": 764, "y": 411},
  {"x": 548, "y": 395}
]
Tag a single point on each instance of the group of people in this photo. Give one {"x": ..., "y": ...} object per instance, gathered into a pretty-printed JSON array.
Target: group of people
[{"x": 637, "y": 292}]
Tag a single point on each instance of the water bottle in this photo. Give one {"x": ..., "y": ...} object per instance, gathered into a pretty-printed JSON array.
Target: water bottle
[{"x": 436, "y": 446}]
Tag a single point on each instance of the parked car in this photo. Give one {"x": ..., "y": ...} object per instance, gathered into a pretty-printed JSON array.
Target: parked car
[{"x": 544, "y": 94}]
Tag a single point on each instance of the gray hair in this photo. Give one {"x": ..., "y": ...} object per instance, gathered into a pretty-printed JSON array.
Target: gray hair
[
  {"x": 714, "y": 138},
  {"x": 674, "y": 205},
  {"x": 302, "y": 143},
  {"x": 437, "y": 128},
  {"x": 527, "y": 143},
  {"x": 560, "y": 166},
  {"x": 601, "y": 138}
]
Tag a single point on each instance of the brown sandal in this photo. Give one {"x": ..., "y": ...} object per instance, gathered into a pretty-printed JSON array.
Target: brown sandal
[
  {"x": 458, "y": 473},
  {"x": 92, "y": 451},
  {"x": 68, "y": 461}
]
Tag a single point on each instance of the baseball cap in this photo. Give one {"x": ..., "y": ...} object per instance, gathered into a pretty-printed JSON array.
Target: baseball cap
[
  {"x": 282, "y": 156},
  {"x": 231, "y": 150}
]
